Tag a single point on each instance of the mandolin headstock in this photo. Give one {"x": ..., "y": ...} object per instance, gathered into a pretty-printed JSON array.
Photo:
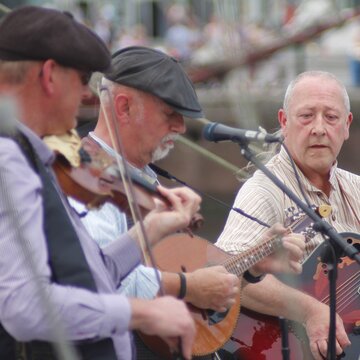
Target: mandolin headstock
[{"x": 298, "y": 222}]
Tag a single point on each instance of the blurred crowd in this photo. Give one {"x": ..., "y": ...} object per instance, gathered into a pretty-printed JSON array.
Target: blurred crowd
[
  {"x": 225, "y": 31},
  {"x": 183, "y": 35}
]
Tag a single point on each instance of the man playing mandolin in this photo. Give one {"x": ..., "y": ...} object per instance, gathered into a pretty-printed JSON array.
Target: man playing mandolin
[
  {"x": 149, "y": 94},
  {"x": 315, "y": 121}
]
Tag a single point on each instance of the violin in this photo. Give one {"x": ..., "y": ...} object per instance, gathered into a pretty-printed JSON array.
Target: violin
[{"x": 87, "y": 173}]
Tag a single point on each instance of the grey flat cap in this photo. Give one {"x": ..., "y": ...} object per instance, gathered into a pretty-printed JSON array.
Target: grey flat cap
[
  {"x": 155, "y": 72},
  {"x": 35, "y": 33}
]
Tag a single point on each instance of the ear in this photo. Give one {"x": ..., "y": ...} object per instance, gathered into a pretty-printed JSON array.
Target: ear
[
  {"x": 282, "y": 121},
  {"x": 122, "y": 108},
  {"x": 47, "y": 77},
  {"x": 348, "y": 123}
]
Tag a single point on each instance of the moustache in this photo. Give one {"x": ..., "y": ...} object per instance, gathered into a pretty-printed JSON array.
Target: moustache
[{"x": 169, "y": 137}]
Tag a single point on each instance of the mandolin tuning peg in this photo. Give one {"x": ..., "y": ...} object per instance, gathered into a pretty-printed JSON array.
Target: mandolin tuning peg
[{"x": 324, "y": 210}]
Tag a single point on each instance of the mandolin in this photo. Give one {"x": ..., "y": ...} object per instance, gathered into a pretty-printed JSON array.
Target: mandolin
[{"x": 191, "y": 252}]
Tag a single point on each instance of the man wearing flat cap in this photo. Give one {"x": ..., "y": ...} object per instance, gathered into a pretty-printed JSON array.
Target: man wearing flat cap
[
  {"x": 150, "y": 94},
  {"x": 52, "y": 274}
]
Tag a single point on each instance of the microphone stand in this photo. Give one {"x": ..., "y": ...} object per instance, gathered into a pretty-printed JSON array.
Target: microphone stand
[
  {"x": 285, "y": 350},
  {"x": 336, "y": 243}
]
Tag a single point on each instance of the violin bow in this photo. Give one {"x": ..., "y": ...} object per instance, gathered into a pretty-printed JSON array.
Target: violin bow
[
  {"x": 123, "y": 167},
  {"x": 149, "y": 258}
]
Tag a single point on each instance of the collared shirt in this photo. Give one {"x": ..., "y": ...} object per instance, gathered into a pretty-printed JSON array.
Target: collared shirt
[
  {"x": 107, "y": 223},
  {"x": 84, "y": 314},
  {"x": 262, "y": 199}
]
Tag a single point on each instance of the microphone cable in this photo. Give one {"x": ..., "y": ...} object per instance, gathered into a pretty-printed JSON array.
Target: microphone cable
[{"x": 173, "y": 178}]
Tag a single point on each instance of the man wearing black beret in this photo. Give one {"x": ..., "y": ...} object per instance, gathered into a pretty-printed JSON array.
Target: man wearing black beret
[
  {"x": 52, "y": 274},
  {"x": 149, "y": 94}
]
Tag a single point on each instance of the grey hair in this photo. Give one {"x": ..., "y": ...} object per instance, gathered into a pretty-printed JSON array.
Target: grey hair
[
  {"x": 14, "y": 72},
  {"x": 316, "y": 73},
  {"x": 110, "y": 88},
  {"x": 113, "y": 88}
]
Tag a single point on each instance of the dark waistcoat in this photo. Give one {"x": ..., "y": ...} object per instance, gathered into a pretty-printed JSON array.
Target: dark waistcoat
[{"x": 68, "y": 266}]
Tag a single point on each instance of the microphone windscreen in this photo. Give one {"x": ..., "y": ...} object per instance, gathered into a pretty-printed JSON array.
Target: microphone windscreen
[{"x": 208, "y": 131}]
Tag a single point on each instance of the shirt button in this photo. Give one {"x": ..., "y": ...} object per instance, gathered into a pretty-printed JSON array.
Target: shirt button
[{"x": 333, "y": 217}]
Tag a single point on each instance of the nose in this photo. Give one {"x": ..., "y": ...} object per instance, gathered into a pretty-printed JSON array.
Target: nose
[
  {"x": 319, "y": 126},
  {"x": 178, "y": 124}
]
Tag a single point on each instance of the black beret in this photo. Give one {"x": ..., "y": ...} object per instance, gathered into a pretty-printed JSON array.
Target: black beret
[
  {"x": 155, "y": 72},
  {"x": 35, "y": 33}
]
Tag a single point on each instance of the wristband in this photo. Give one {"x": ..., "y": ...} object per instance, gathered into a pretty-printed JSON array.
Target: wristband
[
  {"x": 251, "y": 278},
  {"x": 182, "y": 291}
]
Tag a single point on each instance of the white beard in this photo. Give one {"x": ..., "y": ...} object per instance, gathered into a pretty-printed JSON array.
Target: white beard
[{"x": 163, "y": 149}]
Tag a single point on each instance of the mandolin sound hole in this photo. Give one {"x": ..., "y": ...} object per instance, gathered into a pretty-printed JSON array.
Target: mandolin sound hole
[{"x": 215, "y": 317}]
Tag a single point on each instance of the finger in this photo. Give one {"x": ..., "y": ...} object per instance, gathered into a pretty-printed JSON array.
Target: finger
[
  {"x": 187, "y": 342},
  {"x": 185, "y": 194},
  {"x": 170, "y": 195},
  {"x": 315, "y": 351},
  {"x": 296, "y": 267},
  {"x": 173, "y": 343},
  {"x": 235, "y": 281},
  {"x": 222, "y": 309},
  {"x": 339, "y": 349},
  {"x": 175, "y": 346},
  {"x": 322, "y": 347},
  {"x": 276, "y": 229},
  {"x": 163, "y": 190},
  {"x": 186, "y": 208},
  {"x": 159, "y": 205},
  {"x": 235, "y": 291},
  {"x": 296, "y": 239},
  {"x": 190, "y": 204},
  {"x": 295, "y": 252},
  {"x": 341, "y": 335},
  {"x": 230, "y": 303}
]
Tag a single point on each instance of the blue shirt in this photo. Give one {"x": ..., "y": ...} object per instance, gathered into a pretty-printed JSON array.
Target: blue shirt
[{"x": 107, "y": 223}]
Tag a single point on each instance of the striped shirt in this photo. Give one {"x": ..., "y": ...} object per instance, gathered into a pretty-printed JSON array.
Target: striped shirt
[{"x": 262, "y": 199}]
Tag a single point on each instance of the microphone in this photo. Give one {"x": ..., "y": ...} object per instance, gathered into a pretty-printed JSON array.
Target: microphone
[{"x": 218, "y": 132}]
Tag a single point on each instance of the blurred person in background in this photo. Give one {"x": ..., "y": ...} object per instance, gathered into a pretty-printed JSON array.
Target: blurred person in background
[{"x": 183, "y": 35}]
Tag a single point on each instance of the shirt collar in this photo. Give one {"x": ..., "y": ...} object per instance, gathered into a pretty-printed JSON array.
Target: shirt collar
[
  {"x": 45, "y": 154},
  {"x": 284, "y": 158},
  {"x": 147, "y": 170}
]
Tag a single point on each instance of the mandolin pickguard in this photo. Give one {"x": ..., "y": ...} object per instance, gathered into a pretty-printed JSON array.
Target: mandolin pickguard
[{"x": 258, "y": 336}]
